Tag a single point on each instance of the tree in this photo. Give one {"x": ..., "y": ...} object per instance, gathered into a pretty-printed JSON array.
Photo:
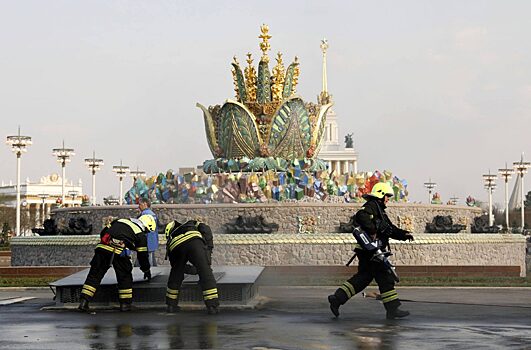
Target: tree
[
  {"x": 8, "y": 216},
  {"x": 4, "y": 199},
  {"x": 499, "y": 214},
  {"x": 4, "y": 234}
]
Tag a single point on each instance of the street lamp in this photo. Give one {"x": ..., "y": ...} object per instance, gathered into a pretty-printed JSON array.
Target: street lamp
[
  {"x": 63, "y": 156},
  {"x": 490, "y": 184},
  {"x": 521, "y": 169},
  {"x": 121, "y": 171},
  {"x": 506, "y": 175},
  {"x": 430, "y": 186},
  {"x": 73, "y": 194},
  {"x": 454, "y": 200},
  {"x": 19, "y": 145},
  {"x": 94, "y": 165},
  {"x": 43, "y": 197},
  {"x": 136, "y": 174}
]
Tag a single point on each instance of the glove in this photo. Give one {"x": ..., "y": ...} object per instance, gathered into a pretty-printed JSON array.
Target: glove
[
  {"x": 409, "y": 237},
  {"x": 147, "y": 275}
]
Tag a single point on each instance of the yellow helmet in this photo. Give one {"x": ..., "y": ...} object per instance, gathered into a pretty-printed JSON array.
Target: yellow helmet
[
  {"x": 382, "y": 189},
  {"x": 169, "y": 228},
  {"x": 149, "y": 222}
]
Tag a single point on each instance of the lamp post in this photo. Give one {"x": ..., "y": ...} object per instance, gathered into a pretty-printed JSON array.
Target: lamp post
[
  {"x": 43, "y": 197},
  {"x": 521, "y": 169},
  {"x": 73, "y": 194},
  {"x": 136, "y": 174},
  {"x": 430, "y": 186},
  {"x": 506, "y": 174},
  {"x": 19, "y": 145},
  {"x": 121, "y": 171},
  {"x": 63, "y": 156},
  {"x": 490, "y": 184},
  {"x": 454, "y": 200},
  {"x": 94, "y": 165}
]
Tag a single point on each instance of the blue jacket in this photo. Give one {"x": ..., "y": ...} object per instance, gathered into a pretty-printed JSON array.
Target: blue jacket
[{"x": 153, "y": 236}]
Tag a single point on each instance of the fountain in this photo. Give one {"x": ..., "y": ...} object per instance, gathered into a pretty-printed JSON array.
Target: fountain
[{"x": 265, "y": 176}]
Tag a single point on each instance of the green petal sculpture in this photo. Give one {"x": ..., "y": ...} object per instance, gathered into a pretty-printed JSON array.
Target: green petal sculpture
[{"x": 267, "y": 120}]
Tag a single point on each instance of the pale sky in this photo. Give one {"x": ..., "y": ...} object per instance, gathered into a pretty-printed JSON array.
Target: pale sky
[{"x": 438, "y": 89}]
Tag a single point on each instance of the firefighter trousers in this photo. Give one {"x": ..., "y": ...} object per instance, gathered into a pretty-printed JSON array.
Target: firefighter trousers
[
  {"x": 99, "y": 265},
  {"x": 367, "y": 271},
  {"x": 194, "y": 251}
]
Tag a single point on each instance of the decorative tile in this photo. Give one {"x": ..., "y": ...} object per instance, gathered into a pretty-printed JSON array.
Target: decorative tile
[
  {"x": 307, "y": 224},
  {"x": 406, "y": 223}
]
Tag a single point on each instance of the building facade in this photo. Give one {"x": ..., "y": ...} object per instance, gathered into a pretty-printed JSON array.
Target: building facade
[
  {"x": 340, "y": 158},
  {"x": 37, "y": 199}
]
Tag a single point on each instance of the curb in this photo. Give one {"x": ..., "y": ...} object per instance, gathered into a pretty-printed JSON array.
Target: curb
[{"x": 23, "y": 288}]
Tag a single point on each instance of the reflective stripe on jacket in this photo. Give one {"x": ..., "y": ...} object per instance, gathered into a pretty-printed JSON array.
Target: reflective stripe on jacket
[
  {"x": 136, "y": 229},
  {"x": 114, "y": 250},
  {"x": 179, "y": 239}
]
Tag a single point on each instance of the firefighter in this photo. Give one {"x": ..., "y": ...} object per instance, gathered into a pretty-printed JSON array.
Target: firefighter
[
  {"x": 119, "y": 235},
  {"x": 372, "y": 219},
  {"x": 190, "y": 242}
]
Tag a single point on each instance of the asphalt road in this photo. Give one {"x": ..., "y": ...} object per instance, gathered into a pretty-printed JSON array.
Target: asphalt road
[{"x": 292, "y": 318}]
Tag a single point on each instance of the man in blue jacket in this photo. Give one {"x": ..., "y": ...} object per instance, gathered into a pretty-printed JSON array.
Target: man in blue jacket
[{"x": 144, "y": 205}]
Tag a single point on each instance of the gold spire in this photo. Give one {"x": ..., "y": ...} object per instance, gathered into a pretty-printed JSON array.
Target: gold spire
[
  {"x": 250, "y": 78},
  {"x": 296, "y": 73},
  {"x": 324, "y": 47},
  {"x": 235, "y": 79},
  {"x": 324, "y": 96},
  {"x": 278, "y": 79},
  {"x": 264, "y": 45}
]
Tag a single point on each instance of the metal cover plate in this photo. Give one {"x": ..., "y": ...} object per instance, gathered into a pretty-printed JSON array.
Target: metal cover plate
[{"x": 79, "y": 278}]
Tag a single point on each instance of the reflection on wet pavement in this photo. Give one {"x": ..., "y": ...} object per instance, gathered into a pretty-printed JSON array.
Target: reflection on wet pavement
[
  {"x": 293, "y": 320},
  {"x": 286, "y": 333},
  {"x": 174, "y": 336}
]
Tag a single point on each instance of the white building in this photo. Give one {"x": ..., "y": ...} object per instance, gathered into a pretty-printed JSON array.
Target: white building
[
  {"x": 38, "y": 198},
  {"x": 339, "y": 158}
]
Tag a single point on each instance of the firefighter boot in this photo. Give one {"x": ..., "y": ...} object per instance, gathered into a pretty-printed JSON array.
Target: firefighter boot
[
  {"x": 83, "y": 305},
  {"x": 125, "y": 307},
  {"x": 334, "y": 304},
  {"x": 171, "y": 309},
  {"x": 212, "y": 310},
  {"x": 396, "y": 313}
]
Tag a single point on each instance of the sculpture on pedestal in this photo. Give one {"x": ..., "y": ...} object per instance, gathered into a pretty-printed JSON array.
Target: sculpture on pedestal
[
  {"x": 267, "y": 122},
  {"x": 443, "y": 224},
  {"x": 247, "y": 224},
  {"x": 481, "y": 225},
  {"x": 349, "y": 142}
]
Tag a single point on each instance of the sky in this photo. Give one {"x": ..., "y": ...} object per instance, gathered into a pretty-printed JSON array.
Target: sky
[{"x": 436, "y": 90}]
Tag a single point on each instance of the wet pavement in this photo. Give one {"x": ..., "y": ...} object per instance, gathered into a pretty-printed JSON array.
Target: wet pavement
[{"x": 292, "y": 318}]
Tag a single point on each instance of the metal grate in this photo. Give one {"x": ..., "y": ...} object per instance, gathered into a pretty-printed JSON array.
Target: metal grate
[{"x": 231, "y": 293}]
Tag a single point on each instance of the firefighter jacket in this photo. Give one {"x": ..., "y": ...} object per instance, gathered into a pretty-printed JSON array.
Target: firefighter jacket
[
  {"x": 373, "y": 220},
  {"x": 126, "y": 233},
  {"x": 191, "y": 229}
]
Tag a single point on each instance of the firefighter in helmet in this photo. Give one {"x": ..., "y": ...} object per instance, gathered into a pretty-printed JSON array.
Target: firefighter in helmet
[
  {"x": 190, "y": 242},
  {"x": 373, "y": 220},
  {"x": 111, "y": 251}
]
